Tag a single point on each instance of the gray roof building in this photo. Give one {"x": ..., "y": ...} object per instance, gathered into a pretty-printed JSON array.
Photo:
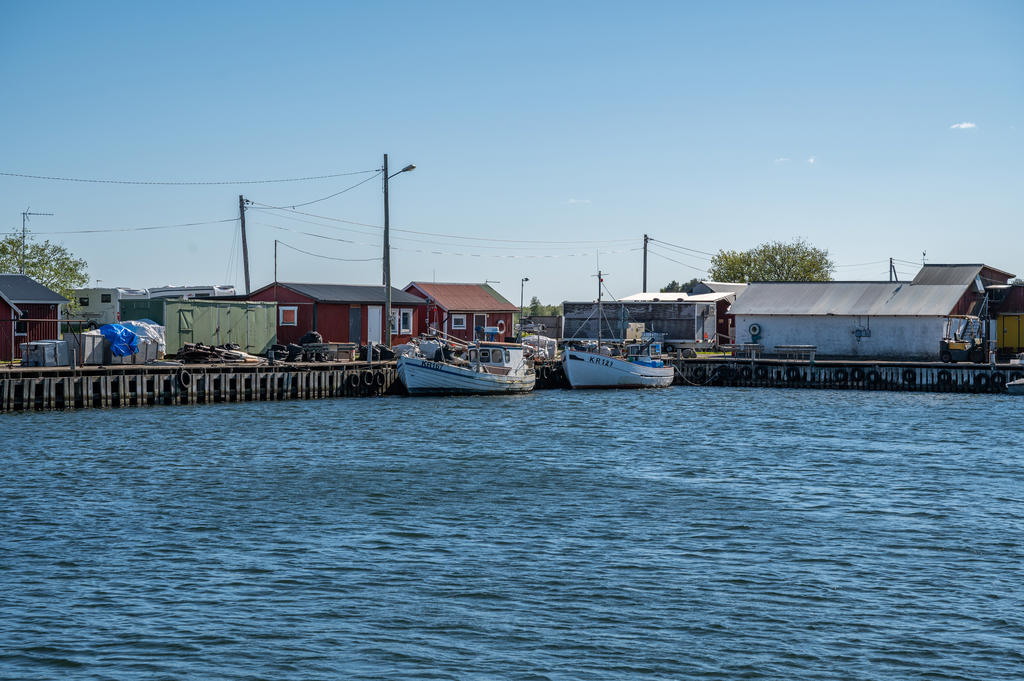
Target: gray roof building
[
  {"x": 847, "y": 298},
  {"x": 21, "y": 289},
  {"x": 348, "y": 293},
  {"x": 961, "y": 275}
]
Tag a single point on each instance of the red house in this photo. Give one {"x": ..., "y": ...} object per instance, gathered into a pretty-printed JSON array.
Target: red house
[
  {"x": 460, "y": 309},
  {"x": 342, "y": 313},
  {"x": 28, "y": 312}
]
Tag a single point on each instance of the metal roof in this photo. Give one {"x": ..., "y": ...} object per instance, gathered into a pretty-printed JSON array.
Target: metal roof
[
  {"x": 464, "y": 297},
  {"x": 963, "y": 274},
  {"x": 350, "y": 293},
  {"x": 675, "y": 297},
  {"x": 24, "y": 290},
  {"x": 847, "y": 298},
  {"x": 719, "y": 287}
]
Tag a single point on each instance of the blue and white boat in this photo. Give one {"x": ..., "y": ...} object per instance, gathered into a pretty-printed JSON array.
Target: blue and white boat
[
  {"x": 638, "y": 367},
  {"x": 483, "y": 368}
]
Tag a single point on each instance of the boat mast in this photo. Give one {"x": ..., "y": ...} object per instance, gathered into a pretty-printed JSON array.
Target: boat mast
[{"x": 599, "y": 314}]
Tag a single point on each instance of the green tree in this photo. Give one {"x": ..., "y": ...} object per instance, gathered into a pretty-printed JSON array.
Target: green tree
[
  {"x": 672, "y": 287},
  {"x": 534, "y": 307},
  {"x": 773, "y": 261},
  {"x": 50, "y": 264},
  {"x": 675, "y": 287}
]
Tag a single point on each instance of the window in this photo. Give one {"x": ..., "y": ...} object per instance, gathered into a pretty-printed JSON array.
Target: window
[
  {"x": 83, "y": 301},
  {"x": 458, "y": 321},
  {"x": 20, "y": 328},
  {"x": 288, "y": 315},
  {"x": 485, "y": 355},
  {"x": 104, "y": 297},
  {"x": 401, "y": 321}
]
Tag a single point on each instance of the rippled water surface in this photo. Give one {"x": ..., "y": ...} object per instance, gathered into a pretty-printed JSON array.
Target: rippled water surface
[{"x": 683, "y": 533}]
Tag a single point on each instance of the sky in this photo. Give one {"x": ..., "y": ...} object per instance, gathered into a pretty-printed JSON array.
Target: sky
[{"x": 548, "y": 138}]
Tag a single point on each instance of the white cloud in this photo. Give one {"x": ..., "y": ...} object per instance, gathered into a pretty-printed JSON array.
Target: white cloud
[
  {"x": 811, "y": 160},
  {"x": 575, "y": 201},
  {"x": 962, "y": 126},
  {"x": 782, "y": 160}
]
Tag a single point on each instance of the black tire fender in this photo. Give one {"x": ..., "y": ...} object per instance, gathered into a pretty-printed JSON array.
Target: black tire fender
[{"x": 184, "y": 378}]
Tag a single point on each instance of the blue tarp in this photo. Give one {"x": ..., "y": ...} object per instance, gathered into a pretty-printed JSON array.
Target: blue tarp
[{"x": 122, "y": 341}]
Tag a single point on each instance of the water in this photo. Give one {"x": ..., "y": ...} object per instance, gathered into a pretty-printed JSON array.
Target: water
[{"x": 683, "y": 533}]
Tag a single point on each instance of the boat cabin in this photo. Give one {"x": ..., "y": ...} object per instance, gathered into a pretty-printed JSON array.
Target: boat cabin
[
  {"x": 645, "y": 352},
  {"x": 498, "y": 358}
]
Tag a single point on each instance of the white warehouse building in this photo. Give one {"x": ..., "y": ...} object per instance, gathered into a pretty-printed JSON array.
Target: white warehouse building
[{"x": 892, "y": 320}]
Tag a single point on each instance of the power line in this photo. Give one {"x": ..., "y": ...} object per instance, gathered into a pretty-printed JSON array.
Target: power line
[
  {"x": 185, "y": 183},
  {"x": 327, "y": 257},
  {"x": 575, "y": 242},
  {"x": 684, "y": 248},
  {"x": 294, "y": 206},
  {"x": 676, "y": 261},
  {"x": 865, "y": 264},
  {"x": 93, "y": 230}
]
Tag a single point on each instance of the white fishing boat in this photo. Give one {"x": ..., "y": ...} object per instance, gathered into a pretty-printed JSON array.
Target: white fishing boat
[
  {"x": 1015, "y": 387},
  {"x": 481, "y": 368},
  {"x": 637, "y": 367}
]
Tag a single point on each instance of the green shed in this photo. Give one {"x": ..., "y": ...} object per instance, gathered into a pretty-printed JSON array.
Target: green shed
[{"x": 251, "y": 325}]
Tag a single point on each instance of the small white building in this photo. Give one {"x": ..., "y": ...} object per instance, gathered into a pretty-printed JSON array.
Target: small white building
[{"x": 892, "y": 320}]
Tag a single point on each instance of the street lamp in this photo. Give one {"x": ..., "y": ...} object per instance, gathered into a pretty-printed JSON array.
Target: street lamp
[
  {"x": 387, "y": 249},
  {"x": 522, "y": 286}
]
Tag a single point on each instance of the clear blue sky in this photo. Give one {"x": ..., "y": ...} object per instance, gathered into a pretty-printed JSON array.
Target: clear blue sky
[{"x": 532, "y": 122}]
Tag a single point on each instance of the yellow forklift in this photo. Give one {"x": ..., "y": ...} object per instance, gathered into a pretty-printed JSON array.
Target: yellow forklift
[{"x": 962, "y": 340}]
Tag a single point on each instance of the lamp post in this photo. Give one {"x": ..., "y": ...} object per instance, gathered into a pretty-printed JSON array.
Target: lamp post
[
  {"x": 387, "y": 249},
  {"x": 522, "y": 310}
]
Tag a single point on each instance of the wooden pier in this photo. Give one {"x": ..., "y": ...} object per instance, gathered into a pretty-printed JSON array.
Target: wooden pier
[
  {"x": 45, "y": 388},
  {"x": 42, "y": 388},
  {"x": 847, "y": 375},
  {"x": 826, "y": 374}
]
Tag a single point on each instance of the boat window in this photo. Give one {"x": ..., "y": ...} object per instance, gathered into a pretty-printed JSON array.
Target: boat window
[
  {"x": 485, "y": 355},
  {"x": 472, "y": 355},
  {"x": 499, "y": 359}
]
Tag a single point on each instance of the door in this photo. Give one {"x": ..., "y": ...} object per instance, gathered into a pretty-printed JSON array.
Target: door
[
  {"x": 374, "y": 314},
  {"x": 355, "y": 324},
  {"x": 1009, "y": 336},
  {"x": 479, "y": 322}
]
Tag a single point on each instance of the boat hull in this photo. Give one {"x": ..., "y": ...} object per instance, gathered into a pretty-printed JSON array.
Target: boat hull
[
  {"x": 1015, "y": 387},
  {"x": 591, "y": 370},
  {"x": 426, "y": 377}
]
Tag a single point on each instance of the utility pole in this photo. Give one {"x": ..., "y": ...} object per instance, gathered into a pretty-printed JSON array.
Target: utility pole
[
  {"x": 275, "y": 266},
  {"x": 245, "y": 245},
  {"x": 892, "y": 271},
  {"x": 644, "y": 289},
  {"x": 387, "y": 249},
  {"x": 24, "y": 233},
  {"x": 387, "y": 260}
]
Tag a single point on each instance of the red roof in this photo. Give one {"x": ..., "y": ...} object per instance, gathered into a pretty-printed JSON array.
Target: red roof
[{"x": 463, "y": 297}]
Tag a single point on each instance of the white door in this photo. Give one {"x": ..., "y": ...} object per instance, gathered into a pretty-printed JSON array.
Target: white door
[{"x": 374, "y": 315}]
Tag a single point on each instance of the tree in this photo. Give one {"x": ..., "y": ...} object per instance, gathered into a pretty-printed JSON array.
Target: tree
[
  {"x": 50, "y": 264},
  {"x": 773, "y": 261},
  {"x": 534, "y": 306},
  {"x": 675, "y": 287}
]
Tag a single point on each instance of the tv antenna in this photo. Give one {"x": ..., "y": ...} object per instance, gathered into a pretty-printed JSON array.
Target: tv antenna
[{"x": 24, "y": 231}]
